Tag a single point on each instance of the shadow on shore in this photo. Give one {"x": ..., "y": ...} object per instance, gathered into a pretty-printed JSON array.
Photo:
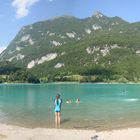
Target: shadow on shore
[{"x": 64, "y": 121}]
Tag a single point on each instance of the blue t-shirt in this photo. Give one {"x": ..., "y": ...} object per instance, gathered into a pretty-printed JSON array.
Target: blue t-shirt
[{"x": 57, "y": 105}]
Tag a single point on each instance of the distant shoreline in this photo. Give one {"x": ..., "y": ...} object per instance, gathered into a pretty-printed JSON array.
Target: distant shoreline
[{"x": 69, "y": 83}]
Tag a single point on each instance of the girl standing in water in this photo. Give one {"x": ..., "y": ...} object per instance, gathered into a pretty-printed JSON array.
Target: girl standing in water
[{"x": 57, "y": 110}]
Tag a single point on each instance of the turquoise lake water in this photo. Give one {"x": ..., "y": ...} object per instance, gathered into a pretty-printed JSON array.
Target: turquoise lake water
[{"x": 102, "y": 106}]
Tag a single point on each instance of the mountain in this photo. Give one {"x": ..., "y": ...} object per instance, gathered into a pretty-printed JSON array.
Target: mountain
[{"x": 106, "y": 48}]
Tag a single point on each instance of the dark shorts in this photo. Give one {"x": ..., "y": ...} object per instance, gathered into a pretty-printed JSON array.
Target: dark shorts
[{"x": 57, "y": 111}]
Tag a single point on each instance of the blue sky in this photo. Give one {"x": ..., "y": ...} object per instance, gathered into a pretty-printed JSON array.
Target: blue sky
[{"x": 17, "y": 13}]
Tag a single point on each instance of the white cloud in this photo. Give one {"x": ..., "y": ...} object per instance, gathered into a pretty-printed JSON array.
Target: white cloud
[
  {"x": 22, "y": 7},
  {"x": 2, "y": 49}
]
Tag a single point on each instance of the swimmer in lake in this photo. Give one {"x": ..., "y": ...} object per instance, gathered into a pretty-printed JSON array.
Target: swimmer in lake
[
  {"x": 77, "y": 100},
  {"x": 68, "y": 101}
]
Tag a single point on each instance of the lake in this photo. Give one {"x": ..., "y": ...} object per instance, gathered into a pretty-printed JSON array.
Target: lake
[{"x": 101, "y": 107}]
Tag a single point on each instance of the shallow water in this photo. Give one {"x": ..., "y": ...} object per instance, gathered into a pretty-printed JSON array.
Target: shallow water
[{"x": 102, "y": 106}]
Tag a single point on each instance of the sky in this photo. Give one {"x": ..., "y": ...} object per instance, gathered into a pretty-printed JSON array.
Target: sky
[{"x": 14, "y": 14}]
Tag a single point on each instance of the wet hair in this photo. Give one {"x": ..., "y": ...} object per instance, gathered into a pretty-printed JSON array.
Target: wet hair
[{"x": 57, "y": 97}]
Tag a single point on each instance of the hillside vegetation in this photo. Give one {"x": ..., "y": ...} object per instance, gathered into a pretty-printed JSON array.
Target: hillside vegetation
[{"x": 94, "y": 49}]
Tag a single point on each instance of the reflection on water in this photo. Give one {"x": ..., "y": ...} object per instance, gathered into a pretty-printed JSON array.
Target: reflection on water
[
  {"x": 102, "y": 106},
  {"x": 30, "y": 100},
  {"x": 131, "y": 100},
  {"x": 2, "y": 116}
]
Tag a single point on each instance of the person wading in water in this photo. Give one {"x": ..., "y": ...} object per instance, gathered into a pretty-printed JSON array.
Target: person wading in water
[{"x": 57, "y": 110}]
